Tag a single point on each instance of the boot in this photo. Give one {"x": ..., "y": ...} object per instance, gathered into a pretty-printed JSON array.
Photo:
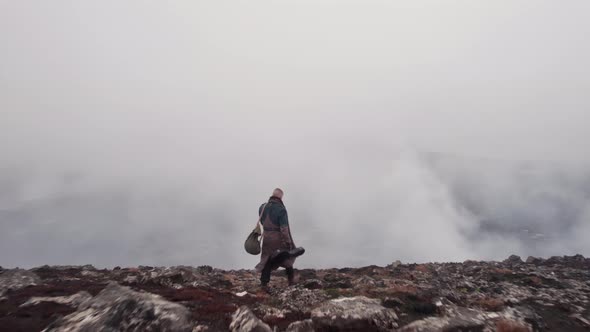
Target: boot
[
  {"x": 290, "y": 276},
  {"x": 265, "y": 275}
]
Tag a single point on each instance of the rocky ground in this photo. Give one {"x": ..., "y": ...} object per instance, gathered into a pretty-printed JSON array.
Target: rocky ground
[{"x": 511, "y": 296}]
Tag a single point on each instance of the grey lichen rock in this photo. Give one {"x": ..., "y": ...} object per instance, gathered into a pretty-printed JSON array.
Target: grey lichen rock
[
  {"x": 244, "y": 320},
  {"x": 513, "y": 260},
  {"x": 313, "y": 284},
  {"x": 458, "y": 320},
  {"x": 301, "y": 299},
  {"x": 534, "y": 260},
  {"x": 301, "y": 326},
  {"x": 355, "y": 313},
  {"x": 395, "y": 264},
  {"x": 469, "y": 320},
  {"x": 73, "y": 300},
  {"x": 436, "y": 324},
  {"x": 16, "y": 279},
  {"x": 118, "y": 308}
]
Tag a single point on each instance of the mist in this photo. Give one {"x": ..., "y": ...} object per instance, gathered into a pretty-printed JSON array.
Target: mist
[{"x": 143, "y": 133}]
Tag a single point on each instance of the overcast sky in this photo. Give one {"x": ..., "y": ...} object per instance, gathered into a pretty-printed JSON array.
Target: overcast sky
[{"x": 144, "y": 132}]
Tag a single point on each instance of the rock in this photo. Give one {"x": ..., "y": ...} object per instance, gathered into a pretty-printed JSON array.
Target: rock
[
  {"x": 204, "y": 269},
  {"x": 337, "y": 281},
  {"x": 513, "y": 260},
  {"x": 243, "y": 320},
  {"x": 334, "y": 280},
  {"x": 511, "y": 326},
  {"x": 271, "y": 313},
  {"x": 456, "y": 319},
  {"x": 582, "y": 320},
  {"x": 364, "y": 281},
  {"x": 555, "y": 260},
  {"x": 392, "y": 302},
  {"x": 460, "y": 296},
  {"x": 118, "y": 308},
  {"x": 576, "y": 261},
  {"x": 16, "y": 279},
  {"x": 174, "y": 277},
  {"x": 89, "y": 273},
  {"x": 355, "y": 313},
  {"x": 343, "y": 284},
  {"x": 437, "y": 324},
  {"x": 313, "y": 284},
  {"x": 73, "y": 300},
  {"x": 534, "y": 260},
  {"x": 301, "y": 299},
  {"x": 576, "y": 258},
  {"x": 395, "y": 264},
  {"x": 301, "y": 326},
  {"x": 130, "y": 279}
]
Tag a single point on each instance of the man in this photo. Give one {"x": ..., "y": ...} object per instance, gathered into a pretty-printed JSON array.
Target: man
[{"x": 278, "y": 249}]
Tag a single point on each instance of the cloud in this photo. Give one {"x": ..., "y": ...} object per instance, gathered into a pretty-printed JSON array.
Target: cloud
[{"x": 134, "y": 134}]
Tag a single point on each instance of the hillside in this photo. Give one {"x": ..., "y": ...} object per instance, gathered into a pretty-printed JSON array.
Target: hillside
[{"x": 536, "y": 295}]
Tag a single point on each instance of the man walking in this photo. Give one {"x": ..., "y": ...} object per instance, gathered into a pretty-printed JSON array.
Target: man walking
[{"x": 278, "y": 248}]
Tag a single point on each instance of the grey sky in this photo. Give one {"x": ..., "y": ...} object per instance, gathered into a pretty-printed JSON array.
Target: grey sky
[{"x": 144, "y": 132}]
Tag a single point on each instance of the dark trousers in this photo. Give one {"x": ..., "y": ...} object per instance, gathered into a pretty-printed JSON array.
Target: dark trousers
[{"x": 266, "y": 271}]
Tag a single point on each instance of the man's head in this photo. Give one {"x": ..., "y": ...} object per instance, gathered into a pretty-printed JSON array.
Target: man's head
[{"x": 278, "y": 193}]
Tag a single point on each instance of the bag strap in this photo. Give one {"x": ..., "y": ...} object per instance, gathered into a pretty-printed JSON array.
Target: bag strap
[{"x": 257, "y": 228}]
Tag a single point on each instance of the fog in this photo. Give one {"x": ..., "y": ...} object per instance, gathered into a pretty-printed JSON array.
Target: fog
[{"x": 144, "y": 132}]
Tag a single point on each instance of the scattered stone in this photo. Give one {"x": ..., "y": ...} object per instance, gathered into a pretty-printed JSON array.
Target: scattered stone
[
  {"x": 392, "y": 302},
  {"x": 301, "y": 299},
  {"x": 364, "y": 281},
  {"x": 243, "y": 320},
  {"x": 301, "y": 326},
  {"x": 130, "y": 279},
  {"x": 313, "y": 284},
  {"x": 395, "y": 264},
  {"x": 204, "y": 269},
  {"x": 511, "y": 326},
  {"x": 337, "y": 280},
  {"x": 539, "y": 295},
  {"x": 534, "y": 260},
  {"x": 90, "y": 273},
  {"x": 16, "y": 279},
  {"x": 513, "y": 260},
  {"x": 356, "y": 313},
  {"x": 73, "y": 300},
  {"x": 581, "y": 319},
  {"x": 457, "y": 319},
  {"x": 118, "y": 308}
]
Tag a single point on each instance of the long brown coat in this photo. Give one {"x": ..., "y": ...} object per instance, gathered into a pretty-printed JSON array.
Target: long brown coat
[{"x": 276, "y": 236}]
